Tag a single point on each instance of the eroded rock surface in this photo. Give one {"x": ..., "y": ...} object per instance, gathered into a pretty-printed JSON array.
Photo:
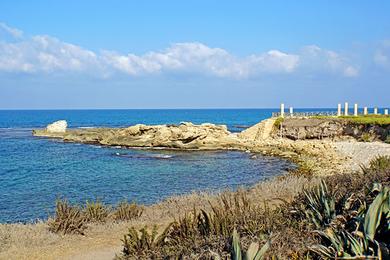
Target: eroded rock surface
[
  {"x": 334, "y": 128},
  {"x": 183, "y": 136}
]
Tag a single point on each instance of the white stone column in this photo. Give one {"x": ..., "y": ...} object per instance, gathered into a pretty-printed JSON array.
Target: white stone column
[
  {"x": 291, "y": 111},
  {"x": 365, "y": 111},
  {"x": 346, "y": 109},
  {"x": 375, "y": 110},
  {"x": 355, "y": 109},
  {"x": 282, "y": 110},
  {"x": 386, "y": 112},
  {"x": 338, "y": 109}
]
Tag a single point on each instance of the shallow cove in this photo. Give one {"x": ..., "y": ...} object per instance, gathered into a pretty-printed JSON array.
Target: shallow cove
[{"x": 37, "y": 171}]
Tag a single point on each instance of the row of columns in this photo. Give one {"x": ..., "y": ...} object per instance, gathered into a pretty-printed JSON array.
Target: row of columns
[
  {"x": 339, "y": 110},
  {"x": 282, "y": 110},
  {"x": 355, "y": 110}
]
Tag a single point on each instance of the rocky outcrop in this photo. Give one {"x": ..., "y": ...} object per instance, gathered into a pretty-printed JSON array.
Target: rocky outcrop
[
  {"x": 182, "y": 136},
  {"x": 57, "y": 127},
  {"x": 311, "y": 128},
  {"x": 317, "y": 128}
]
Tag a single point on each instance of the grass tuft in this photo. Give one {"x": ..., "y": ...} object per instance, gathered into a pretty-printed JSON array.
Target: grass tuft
[
  {"x": 127, "y": 211},
  {"x": 96, "y": 211}
]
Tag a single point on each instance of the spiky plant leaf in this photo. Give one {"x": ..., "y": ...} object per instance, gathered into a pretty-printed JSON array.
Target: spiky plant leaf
[
  {"x": 374, "y": 213},
  {"x": 236, "y": 253}
]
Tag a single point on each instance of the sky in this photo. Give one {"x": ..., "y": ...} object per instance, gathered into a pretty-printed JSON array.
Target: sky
[{"x": 193, "y": 54}]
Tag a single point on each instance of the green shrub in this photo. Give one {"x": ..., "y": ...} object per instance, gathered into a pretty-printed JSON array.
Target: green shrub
[
  {"x": 370, "y": 240},
  {"x": 253, "y": 252},
  {"x": 366, "y": 137},
  {"x": 278, "y": 122},
  {"x": 378, "y": 164},
  {"x": 319, "y": 205}
]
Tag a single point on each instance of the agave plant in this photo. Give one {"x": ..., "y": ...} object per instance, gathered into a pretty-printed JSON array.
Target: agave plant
[
  {"x": 140, "y": 242},
  {"x": 320, "y": 206},
  {"x": 253, "y": 252},
  {"x": 369, "y": 241}
]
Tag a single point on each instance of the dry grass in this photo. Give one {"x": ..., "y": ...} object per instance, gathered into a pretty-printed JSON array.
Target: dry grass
[
  {"x": 98, "y": 237},
  {"x": 290, "y": 225},
  {"x": 43, "y": 244}
]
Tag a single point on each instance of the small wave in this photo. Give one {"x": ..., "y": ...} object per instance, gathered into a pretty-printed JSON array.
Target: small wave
[
  {"x": 86, "y": 127},
  {"x": 144, "y": 156}
]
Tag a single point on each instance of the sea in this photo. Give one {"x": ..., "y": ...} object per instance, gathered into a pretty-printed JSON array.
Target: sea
[{"x": 35, "y": 172}]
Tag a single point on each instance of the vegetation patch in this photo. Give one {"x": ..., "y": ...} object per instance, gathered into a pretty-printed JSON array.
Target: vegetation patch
[
  {"x": 278, "y": 122},
  {"x": 73, "y": 219},
  {"x": 343, "y": 217},
  {"x": 369, "y": 119}
]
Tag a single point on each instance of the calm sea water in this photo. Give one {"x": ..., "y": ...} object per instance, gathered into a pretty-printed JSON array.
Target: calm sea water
[{"x": 34, "y": 172}]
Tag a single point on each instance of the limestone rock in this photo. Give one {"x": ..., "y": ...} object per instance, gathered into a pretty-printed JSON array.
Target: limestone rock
[
  {"x": 183, "y": 136},
  {"x": 57, "y": 127}
]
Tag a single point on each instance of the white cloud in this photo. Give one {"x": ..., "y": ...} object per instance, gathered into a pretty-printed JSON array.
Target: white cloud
[
  {"x": 382, "y": 54},
  {"x": 12, "y": 31},
  {"x": 45, "y": 54},
  {"x": 317, "y": 59}
]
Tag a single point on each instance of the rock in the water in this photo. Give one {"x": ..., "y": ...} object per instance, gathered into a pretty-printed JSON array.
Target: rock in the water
[
  {"x": 57, "y": 127},
  {"x": 183, "y": 136}
]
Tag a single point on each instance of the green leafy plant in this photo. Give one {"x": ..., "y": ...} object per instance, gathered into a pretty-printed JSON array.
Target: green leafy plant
[
  {"x": 278, "y": 122},
  {"x": 320, "y": 205},
  {"x": 366, "y": 137},
  {"x": 138, "y": 243},
  {"x": 253, "y": 252},
  {"x": 370, "y": 240}
]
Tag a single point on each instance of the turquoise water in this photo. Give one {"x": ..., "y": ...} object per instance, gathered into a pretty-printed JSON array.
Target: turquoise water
[{"x": 34, "y": 172}]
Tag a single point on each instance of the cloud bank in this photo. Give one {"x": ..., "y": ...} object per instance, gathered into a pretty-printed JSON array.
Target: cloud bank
[{"x": 46, "y": 54}]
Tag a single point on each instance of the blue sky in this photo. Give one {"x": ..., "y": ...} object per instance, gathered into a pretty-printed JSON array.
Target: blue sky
[{"x": 193, "y": 54}]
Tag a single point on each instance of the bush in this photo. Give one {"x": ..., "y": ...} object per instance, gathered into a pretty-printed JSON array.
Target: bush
[
  {"x": 378, "y": 164},
  {"x": 366, "y": 137},
  {"x": 68, "y": 219},
  {"x": 369, "y": 237},
  {"x": 96, "y": 211},
  {"x": 278, "y": 122},
  {"x": 127, "y": 211}
]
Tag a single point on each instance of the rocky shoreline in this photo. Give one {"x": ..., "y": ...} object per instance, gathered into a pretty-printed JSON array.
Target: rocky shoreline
[
  {"x": 315, "y": 157},
  {"x": 318, "y": 151}
]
